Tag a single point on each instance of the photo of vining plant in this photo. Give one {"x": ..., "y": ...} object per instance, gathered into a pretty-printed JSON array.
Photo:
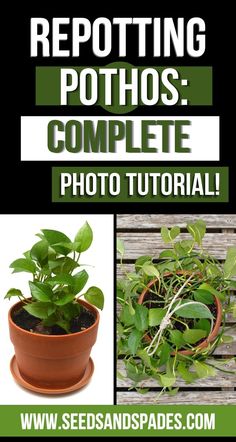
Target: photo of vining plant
[{"x": 172, "y": 311}]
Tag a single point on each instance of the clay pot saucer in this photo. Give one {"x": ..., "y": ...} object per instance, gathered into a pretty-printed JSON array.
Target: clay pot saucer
[{"x": 49, "y": 390}]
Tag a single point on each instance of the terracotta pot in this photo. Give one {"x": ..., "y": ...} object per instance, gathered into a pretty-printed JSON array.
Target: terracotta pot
[
  {"x": 54, "y": 361},
  {"x": 216, "y": 326}
]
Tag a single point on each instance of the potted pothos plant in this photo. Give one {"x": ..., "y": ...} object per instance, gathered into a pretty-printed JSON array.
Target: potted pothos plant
[
  {"x": 53, "y": 330},
  {"x": 171, "y": 310}
]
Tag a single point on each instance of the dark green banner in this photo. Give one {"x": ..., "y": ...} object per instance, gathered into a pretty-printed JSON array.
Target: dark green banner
[
  {"x": 118, "y": 420},
  {"x": 191, "y": 84},
  {"x": 139, "y": 184}
]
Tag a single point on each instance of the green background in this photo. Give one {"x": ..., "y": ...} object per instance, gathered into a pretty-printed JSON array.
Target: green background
[
  {"x": 197, "y": 92},
  {"x": 224, "y": 419},
  {"x": 124, "y": 197}
]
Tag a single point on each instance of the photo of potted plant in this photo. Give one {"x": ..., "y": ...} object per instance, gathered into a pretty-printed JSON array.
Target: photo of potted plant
[
  {"x": 173, "y": 308},
  {"x": 54, "y": 330}
]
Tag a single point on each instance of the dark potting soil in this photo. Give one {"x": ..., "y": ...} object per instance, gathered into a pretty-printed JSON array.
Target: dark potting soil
[
  {"x": 24, "y": 320},
  {"x": 152, "y": 300},
  {"x": 83, "y": 321},
  {"x": 28, "y": 322}
]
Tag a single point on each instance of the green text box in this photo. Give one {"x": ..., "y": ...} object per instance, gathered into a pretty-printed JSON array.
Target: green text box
[
  {"x": 198, "y": 90},
  {"x": 89, "y": 420},
  {"x": 159, "y": 183}
]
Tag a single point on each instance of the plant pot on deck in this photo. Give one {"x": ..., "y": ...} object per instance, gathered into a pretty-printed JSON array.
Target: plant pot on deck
[
  {"x": 52, "y": 364},
  {"x": 215, "y": 329}
]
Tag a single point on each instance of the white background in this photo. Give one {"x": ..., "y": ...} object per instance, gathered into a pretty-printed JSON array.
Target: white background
[
  {"x": 203, "y": 140},
  {"x": 17, "y": 236}
]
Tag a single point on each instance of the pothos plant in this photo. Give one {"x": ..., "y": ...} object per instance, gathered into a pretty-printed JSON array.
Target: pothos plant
[
  {"x": 160, "y": 332},
  {"x": 56, "y": 282}
]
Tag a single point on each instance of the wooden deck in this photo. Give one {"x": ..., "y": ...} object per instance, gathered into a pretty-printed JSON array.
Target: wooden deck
[{"x": 141, "y": 235}]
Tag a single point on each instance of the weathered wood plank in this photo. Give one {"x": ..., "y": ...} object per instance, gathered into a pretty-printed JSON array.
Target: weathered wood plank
[
  {"x": 148, "y": 221},
  {"x": 227, "y": 349},
  {"x": 229, "y": 316},
  {"x": 151, "y": 243},
  {"x": 128, "y": 268},
  {"x": 219, "y": 381},
  {"x": 188, "y": 397}
]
